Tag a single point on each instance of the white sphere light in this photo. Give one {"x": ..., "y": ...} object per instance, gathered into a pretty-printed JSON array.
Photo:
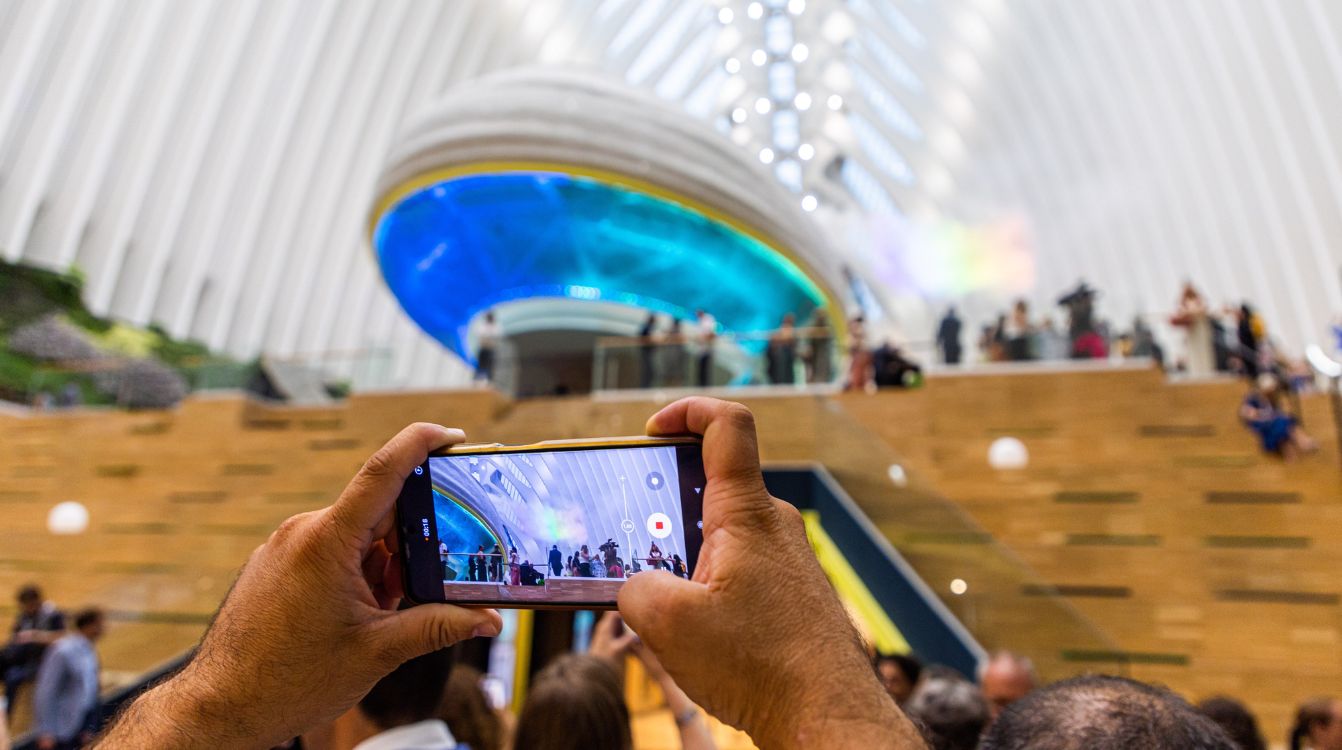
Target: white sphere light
[
  {"x": 1008, "y": 454},
  {"x": 805, "y": 152},
  {"x": 739, "y": 115},
  {"x": 725, "y": 15},
  {"x": 959, "y": 587},
  {"x": 759, "y": 57},
  {"x": 732, "y": 65},
  {"x": 763, "y": 105},
  {"x": 835, "y": 101},
  {"x": 69, "y": 517},
  {"x": 800, "y": 52},
  {"x": 796, "y": 7},
  {"x": 802, "y": 101},
  {"x": 809, "y": 202},
  {"x": 896, "y": 472},
  {"x": 755, "y": 11},
  {"x": 767, "y": 155}
]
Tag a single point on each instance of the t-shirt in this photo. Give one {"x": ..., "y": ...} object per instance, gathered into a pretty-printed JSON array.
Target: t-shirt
[{"x": 47, "y": 619}]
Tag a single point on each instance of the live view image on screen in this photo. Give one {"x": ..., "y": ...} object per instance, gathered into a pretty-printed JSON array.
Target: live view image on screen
[{"x": 560, "y": 526}]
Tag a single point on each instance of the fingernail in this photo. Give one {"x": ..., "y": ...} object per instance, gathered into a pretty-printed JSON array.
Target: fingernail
[{"x": 485, "y": 630}]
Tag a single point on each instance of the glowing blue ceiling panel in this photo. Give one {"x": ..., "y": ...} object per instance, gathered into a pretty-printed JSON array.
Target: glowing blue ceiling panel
[{"x": 456, "y": 248}]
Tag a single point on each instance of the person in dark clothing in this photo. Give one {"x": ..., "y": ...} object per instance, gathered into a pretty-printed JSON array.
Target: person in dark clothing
[
  {"x": 529, "y": 576},
  {"x": 496, "y": 563},
  {"x": 478, "y": 564},
  {"x": 38, "y": 625},
  {"x": 556, "y": 560},
  {"x": 489, "y": 342},
  {"x": 647, "y": 353},
  {"x": 584, "y": 562},
  {"x": 892, "y": 368},
  {"x": 782, "y": 352},
  {"x": 1080, "y": 304},
  {"x": 678, "y": 567},
  {"x": 1248, "y": 341},
  {"x": 948, "y": 337},
  {"x": 706, "y": 334}
]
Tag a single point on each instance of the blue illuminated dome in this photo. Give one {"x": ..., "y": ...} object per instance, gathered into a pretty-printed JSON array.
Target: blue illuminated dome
[{"x": 453, "y": 248}]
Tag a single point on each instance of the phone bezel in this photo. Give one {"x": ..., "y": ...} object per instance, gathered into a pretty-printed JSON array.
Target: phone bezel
[{"x": 408, "y": 526}]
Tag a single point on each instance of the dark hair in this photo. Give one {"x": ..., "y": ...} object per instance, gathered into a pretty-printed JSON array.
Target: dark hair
[
  {"x": 1101, "y": 712},
  {"x": 950, "y": 710},
  {"x": 410, "y": 693},
  {"x": 29, "y": 593},
  {"x": 907, "y": 664},
  {"x": 577, "y": 703},
  {"x": 1236, "y": 720},
  {"x": 467, "y": 711},
  {"x": 87, "y": 616},
  {"x": 1311, "y": 712}
]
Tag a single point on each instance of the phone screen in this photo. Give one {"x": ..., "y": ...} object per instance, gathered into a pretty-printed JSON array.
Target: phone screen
[{"x": 563, "y": 526}]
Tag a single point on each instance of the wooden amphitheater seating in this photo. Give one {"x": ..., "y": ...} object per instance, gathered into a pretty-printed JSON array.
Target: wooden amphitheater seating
[
  {"x": 1145, "y": 536},
  {"x": 1147, "y": 506}
]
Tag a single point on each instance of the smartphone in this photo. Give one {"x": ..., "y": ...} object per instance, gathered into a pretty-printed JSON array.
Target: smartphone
[{"x": 558, "y": 524}]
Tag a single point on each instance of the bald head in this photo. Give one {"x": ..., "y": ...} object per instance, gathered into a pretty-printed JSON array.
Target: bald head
[
  {"x": 1097, "y": 712},
  {"x": 1006, "y": 679}
]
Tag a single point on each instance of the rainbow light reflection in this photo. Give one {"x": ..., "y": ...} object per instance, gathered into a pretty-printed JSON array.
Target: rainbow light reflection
[
  {"x": 458, "y": 247},
  {"x": 952, "y": 260}
]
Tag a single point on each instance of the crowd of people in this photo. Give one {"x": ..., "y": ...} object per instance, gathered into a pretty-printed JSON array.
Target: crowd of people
[
  {"x": 493, "y": 567},
  {"x": 792, "y": 354},
  {"x": 1232, "y": 340},
  {"x": 1017, "y": 336},
  {"x": 1008, "y": 704},
  {"x": 51, "y": 672}
]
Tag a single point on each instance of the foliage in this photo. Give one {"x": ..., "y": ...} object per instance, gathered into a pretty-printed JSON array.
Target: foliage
[{"x": 45, "y": 329}]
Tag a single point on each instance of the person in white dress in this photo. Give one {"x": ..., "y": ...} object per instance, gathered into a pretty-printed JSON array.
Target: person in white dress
[{"x": 1192, "y": 316}]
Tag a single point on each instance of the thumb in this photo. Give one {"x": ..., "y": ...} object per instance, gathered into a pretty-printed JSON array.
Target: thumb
[
  {"x": 657, "y": 605},
  {"x": 429, "y": 627}
]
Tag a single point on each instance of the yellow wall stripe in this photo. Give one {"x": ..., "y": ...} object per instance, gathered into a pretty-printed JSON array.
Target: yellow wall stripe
[{"x": 854, "y": 594}]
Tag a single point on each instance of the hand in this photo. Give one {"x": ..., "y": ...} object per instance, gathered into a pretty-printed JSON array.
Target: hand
[
  {"x": 611, "y": 640},
  {"x": 46, "y": 742},
  {"x": 310, "y": 625},
  {"x": 758, "y": 637}
]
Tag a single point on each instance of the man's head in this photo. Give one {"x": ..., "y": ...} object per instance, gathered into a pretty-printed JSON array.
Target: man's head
[
  {"x": 411, "y": 693},
  {"x": 1006, "y": 679},
  {"x": 30, "y": 599},
  {"x": 1318, "y": 725},
  {"x": 898, "y": 673},
  {"x": 1098, "y": 712},
  {"x": 950, "y": 709},
  {"x": 91, "y": 623},
  {"x": 1235, "y": 720}
]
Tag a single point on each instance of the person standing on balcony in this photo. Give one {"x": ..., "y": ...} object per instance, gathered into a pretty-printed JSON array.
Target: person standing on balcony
[
  {"x": 647, "y": 353},
  {"x": 782, "y": 351},
  {"x": 705, "y": 336},
  {"x": 821, "y": 342},
  {"x": 1192, "y": 315},
  {"x": 672, "y": 364},
  {"x": 948, "y": 337},
  {"x": 859, "y": 358},
  {"x": 489, "y": 341}
]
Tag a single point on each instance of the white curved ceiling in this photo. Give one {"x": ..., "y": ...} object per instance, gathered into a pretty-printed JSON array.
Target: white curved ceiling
[{"x": 208, "y": 165}]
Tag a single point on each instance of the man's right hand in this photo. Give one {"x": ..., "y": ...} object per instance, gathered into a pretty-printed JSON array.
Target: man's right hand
[{"x": 758, "y": 637}]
